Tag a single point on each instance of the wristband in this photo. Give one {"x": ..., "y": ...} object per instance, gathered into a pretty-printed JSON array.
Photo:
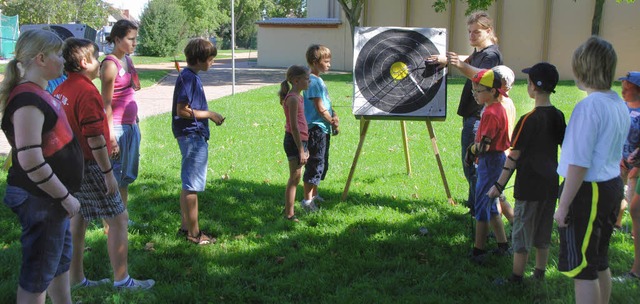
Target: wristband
[
  {"x": 499, "y": 187},
  {"x": 65, "y": 197},
  {"x": 109, "y": 170}
]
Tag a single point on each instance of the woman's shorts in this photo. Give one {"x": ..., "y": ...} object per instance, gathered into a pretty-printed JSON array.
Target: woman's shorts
[
  {"x": 46, "y": 239},
  {"x": 125, "y": 165},
  {"x": 195, "y": 152}
]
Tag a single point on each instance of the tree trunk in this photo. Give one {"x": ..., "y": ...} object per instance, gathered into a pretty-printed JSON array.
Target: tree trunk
[{"x": 597, "y": 18}]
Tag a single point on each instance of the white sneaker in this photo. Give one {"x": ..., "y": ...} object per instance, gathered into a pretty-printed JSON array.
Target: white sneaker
[
  {"x": 309, "y": 205},
  {"x": 132, "y": 284},
  {"x": 90, "y": 283}
]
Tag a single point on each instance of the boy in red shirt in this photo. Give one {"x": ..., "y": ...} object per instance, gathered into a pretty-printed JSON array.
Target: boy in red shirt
[
  {"x": 99, "y": 196},
  {"x": 492, "y": 139}
]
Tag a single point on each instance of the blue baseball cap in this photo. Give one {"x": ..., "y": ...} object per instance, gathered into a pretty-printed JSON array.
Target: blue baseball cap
[{"x": 633, "y": 77}]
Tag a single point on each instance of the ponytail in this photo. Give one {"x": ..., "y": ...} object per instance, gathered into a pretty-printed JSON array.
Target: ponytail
[
  {"x": 11, "y": 79},
  {"x": 284, "y": 90}
]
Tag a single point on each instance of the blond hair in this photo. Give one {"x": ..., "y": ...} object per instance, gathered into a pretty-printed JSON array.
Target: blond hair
[
  {"x": 29, "y": 45},
  {"x": 292, "y": 72},
  {"x": 594, "y": 63},
  {"x": 482, "y": 19},
  {"x": 317, "y": 52}
]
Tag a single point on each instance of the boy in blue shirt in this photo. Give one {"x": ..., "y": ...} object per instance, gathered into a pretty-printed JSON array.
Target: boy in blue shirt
[
  {"x": 190, "y": 126},
  {"x": 322, "y": 122}
]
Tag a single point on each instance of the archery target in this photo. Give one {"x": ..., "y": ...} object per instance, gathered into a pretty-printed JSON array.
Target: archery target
[{"x": 390, "y": 74}]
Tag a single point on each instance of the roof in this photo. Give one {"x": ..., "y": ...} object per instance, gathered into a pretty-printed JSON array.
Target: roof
[{"x": 300, "y": 21}]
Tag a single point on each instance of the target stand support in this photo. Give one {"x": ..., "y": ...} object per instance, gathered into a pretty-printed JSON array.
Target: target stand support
[{"x": 364, "y": 127}]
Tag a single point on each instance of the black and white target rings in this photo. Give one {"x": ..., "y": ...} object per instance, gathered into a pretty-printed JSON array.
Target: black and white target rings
[{"x": 391, "y": 76}]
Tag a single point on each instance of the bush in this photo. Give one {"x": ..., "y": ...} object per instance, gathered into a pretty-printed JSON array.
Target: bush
[{"x": 161, "y": 28}]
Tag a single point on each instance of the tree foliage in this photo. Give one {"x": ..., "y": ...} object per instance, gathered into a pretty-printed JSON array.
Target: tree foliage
[
  {"x": 472, "y": 5},
  {"x": 203, "y": 17},
  {"x": 162, "y": 28},
  {"x": 91, "y": 12}
]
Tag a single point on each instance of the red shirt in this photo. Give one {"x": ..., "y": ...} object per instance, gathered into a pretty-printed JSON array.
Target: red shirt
[
  {"x": 85, "y": 110},
  {"x": 495, "y": 125},
  {"x": 302, "y": 121}
]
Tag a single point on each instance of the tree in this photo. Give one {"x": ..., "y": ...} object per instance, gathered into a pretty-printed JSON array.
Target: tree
[
  {"x": 203, "y": 17},
  {"x": 92, "y": 13},
  {"x": 597, "y": 15},
  {"x": 353, "y": 10},
  {"x": 161, "y": 28}
]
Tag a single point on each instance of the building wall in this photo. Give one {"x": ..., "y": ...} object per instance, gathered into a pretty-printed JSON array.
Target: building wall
[{"x": 528, "y": 31}]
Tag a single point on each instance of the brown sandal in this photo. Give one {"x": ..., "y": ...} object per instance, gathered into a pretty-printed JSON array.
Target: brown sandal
[{"x": 201, "y": 240}]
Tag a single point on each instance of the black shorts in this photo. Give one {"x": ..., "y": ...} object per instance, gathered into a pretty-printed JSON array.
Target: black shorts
[
  {"x": 290, "y": 148},
  {"x": 584, "y": 243},
  {"x": 318, "y": 163}
]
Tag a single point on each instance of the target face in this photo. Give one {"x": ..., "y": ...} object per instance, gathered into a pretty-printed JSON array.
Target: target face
[{"x": 391, "y": 76}]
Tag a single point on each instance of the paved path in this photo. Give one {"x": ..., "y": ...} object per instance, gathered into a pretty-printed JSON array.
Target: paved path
[{"x": 217, "y": 83}]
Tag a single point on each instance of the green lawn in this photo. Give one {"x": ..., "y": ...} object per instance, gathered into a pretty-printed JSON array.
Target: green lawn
[{"x": 367, "y": 249}]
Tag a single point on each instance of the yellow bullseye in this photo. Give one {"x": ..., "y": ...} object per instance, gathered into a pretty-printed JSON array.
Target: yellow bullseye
[{"x": 399, "y": 70}]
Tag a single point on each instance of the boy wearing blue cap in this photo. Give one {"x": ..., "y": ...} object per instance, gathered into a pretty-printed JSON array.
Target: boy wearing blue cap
[
  {"x": 534, "y": 153},
  {"x": 631, "y": 95},
  {"x": 492, "y": 139}
]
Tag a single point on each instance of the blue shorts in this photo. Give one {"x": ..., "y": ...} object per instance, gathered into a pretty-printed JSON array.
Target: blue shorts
[
  {"x": 46, "y": 239},
  {"x": 489, "y": 168},
  {"x": 125, "y": 166},
  {"x": 316, "y": 167},
  {"x": 290, "y": 147},
  {"x": 195, "y": 152}
]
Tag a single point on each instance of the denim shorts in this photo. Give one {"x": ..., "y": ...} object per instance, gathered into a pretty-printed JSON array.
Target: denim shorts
[
  {"x": 194, "y": 149},
  {"x": 46, "y": 239},
  {"x": 125, "y": 166}
]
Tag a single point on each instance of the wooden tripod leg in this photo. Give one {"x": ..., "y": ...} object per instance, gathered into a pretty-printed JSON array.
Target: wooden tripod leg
[
  {"x": 405, "y": 141},
  {"x": 434, "y": 145},
  {"x": 364, "y": 126}
]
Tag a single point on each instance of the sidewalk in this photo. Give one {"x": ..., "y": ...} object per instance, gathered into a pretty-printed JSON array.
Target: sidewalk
[{"x": 217, "y": 83}]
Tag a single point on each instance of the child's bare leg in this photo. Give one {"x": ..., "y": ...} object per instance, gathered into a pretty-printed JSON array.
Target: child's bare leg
[
  {"x": 309, "y": 190},
  {"x": 78, "y": 233},
  {"x": 520, "y": 262},
  {"x": 505, "y": 208},
  {"x": 604, "y": 281},
  {"x": 59, "y": 289},
  {"x": 24, "y": 296},
  {"x": 189, "y": 210},
  {"x": 292, "y": 184},
  {"x": 587, "y": 291},
  {"x": 542, "y": 257},
  {"x": 482, "y": 228},
  {"x": 118, "y": 245},
  {"x": 498, "y": 228}
]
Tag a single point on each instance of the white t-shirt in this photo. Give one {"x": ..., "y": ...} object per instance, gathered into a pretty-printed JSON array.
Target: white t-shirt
[{"x": 594, "y": 137}]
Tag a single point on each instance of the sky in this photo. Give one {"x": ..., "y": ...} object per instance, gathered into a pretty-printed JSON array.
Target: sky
[{"x": 135, "y": 6}]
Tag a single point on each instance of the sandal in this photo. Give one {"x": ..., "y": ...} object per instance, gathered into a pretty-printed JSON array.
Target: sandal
[
  {"x": 201, "y": 239},
  {"x": 292, "y": 218},
  {"x": 182, "y": 232}
]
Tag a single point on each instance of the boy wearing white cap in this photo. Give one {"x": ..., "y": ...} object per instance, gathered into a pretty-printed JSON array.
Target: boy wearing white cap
[{"x": 491, "y": 140}]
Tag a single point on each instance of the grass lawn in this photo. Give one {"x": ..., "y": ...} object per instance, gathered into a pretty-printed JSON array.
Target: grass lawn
[{"x": 394, "y": 240}]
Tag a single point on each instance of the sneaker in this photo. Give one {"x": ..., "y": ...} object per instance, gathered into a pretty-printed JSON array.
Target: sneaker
[
  {"x": 309, "y": 206},
  {"x": 133, "y": 284},
  {"x": 318, "y": 199},
  {"x": 502, "y": 252},
  {"x": 89, "y": 283},
  {"x": 627, "y": 277}
]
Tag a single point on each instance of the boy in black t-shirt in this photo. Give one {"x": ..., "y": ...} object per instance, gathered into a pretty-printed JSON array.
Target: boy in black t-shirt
[{"x": 534, "y": 153}]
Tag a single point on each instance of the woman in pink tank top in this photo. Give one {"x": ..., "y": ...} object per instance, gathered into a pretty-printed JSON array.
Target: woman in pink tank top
[{"x": 119, "y": 82}]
